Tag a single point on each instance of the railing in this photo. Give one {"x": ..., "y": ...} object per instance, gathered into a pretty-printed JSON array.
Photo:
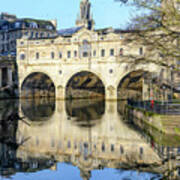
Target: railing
[{"x": 164, "y": 107}]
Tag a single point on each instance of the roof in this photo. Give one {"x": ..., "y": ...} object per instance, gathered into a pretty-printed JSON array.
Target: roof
[
  {"x": 41, "y": 23},
  {"x": 69, "y": 31},
  {"x": 104, "y": 30},
  {"x": 125, "y": 31},
  {"x": 26, "y": 23}
]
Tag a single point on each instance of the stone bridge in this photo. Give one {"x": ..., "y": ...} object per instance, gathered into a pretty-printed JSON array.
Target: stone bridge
[{"x": 60, "y": 58}]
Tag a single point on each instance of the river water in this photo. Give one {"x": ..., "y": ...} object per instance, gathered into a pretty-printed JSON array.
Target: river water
[{"x": 44, "y": 139}]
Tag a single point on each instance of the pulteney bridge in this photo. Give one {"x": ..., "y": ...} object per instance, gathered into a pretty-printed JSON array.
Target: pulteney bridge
[{"x": 102, "y": 53}]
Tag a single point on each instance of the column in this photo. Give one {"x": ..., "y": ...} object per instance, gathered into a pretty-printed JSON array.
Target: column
[
  {"x": 60, "y": 92},
  {"x": 111, "y": 92}
]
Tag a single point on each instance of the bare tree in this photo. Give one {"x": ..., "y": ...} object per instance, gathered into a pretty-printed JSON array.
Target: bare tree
[{"x": 157, "y": 26}]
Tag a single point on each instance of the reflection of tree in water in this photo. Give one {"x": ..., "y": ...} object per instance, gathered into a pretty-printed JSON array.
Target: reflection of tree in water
[
  {"x": 8, "y": 120},
  {"x": 38, "y": 109},
  {"x": 85, "y": 113},
  {"x": 9, "y": 162}
]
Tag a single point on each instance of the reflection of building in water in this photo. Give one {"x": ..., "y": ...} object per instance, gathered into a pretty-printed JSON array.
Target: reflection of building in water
[
  {"x": 9, "y": 163},
  {"x": 109, "y": 143}
]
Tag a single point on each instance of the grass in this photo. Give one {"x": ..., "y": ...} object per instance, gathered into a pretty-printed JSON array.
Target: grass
[{"x": 177, "y": 130}]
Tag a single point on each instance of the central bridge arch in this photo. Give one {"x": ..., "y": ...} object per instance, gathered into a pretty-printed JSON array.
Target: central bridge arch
[{"x": 84, "y": 84}]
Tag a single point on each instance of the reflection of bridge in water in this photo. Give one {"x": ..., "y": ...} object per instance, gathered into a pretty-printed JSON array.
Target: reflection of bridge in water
[
  {"x": 90, "y": 135},
  {"x": 87, "y": 134}
]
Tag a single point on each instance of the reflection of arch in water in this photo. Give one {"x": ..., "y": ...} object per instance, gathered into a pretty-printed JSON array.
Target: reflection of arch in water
[
  {"x": 131, "y": 85},
  {"x": 85, "y": 84},
  {"x": 85, "y": 113},
  {"x": 38, "y": 84},
  {"x": 39, "y": 109}
]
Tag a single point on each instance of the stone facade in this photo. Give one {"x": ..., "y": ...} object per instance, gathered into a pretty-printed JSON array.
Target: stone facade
[
  {"x": 104, "y": 52},
  {"x": 13, "y": 28}
]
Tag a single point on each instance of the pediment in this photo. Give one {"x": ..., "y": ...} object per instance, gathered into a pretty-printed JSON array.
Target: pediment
[
  {"x": 112, "y": 36},
  {"x": 85, "y": 34}
]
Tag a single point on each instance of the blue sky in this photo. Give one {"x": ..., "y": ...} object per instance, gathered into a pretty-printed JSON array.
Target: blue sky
[{"x": 106, "y": 13}]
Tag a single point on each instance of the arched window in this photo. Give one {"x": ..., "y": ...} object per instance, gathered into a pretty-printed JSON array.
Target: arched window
[
  {"x": 37, "y": 55},
  {"x": 111, "y": 52},
  {"x": 69, "y": 54},
  {"x": 60, "y": 55},
  {"x": 103, "y": 147},
  {"x": 22, "y": 56},
  {"x": 112, "y": 147},
  {"x": 85, "y": 49},
  {"x": 121, "y": 52},
  {"x": 102, "y": 52},
  {"x": 52, "y": 55},
  {"x": 94, "y": 53},
  {"x": 75, "y": 53},
  {"x": 140, "y": 51}
]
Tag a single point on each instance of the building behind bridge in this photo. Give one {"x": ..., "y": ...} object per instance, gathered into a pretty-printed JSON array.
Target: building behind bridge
[{"x": 13, "y": 28}]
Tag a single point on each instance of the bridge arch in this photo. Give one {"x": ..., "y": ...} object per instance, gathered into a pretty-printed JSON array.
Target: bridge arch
[
  {"x": 89, "y": 83},
  {"x": 37, "y": 84},
  {"x": 131, "y": 84}
]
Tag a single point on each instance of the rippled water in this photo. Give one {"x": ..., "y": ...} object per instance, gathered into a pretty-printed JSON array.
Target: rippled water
[{"x": 80, "y": 139}]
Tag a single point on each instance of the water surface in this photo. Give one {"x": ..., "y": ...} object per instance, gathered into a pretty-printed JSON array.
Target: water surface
[{"x": 79, "y": 139}]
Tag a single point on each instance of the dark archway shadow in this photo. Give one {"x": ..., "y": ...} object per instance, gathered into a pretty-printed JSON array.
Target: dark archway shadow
[
  {"x": 84, "y": 85},
  {"x": 85, "y": 113},
  {"x": 37, "y": 85},
  {"x": 38, "y": 109}
]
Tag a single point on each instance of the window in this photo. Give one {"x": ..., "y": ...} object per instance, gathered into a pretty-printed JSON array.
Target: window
[
  {"x": 141, "y": 150},
  {"x": 75, "y": 53},
  {"x": 22, "y": 56},
  {"x": 26, "y": 33},
  {"x": 37, "y": 35},
  {"x": 121, "y": 52},
  {"x": 121, "y": 149},
  {"x": 32, "y": 34},
  {"x": 103, "y": 147},
  {"x": 112, "y": 147},
  {"x": 69, "y": 144},
  {"x": 85, "y": 54},
  {"x": 111, "y": 52},
  {"x": 37, "y": 55},
  {"x": 94, "y": 53},
  {"x": 52, "y": 55},
  {"x": 140, "y": 51},
  {"x": 60, "y": 55},
  {"x": 110, "y": 71},
  {"x": 85, "y": 49},
  {"x": 69, "y": 54},
  {"x": 42, "y": 34},
  {"x": 102, "y": 52}
]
